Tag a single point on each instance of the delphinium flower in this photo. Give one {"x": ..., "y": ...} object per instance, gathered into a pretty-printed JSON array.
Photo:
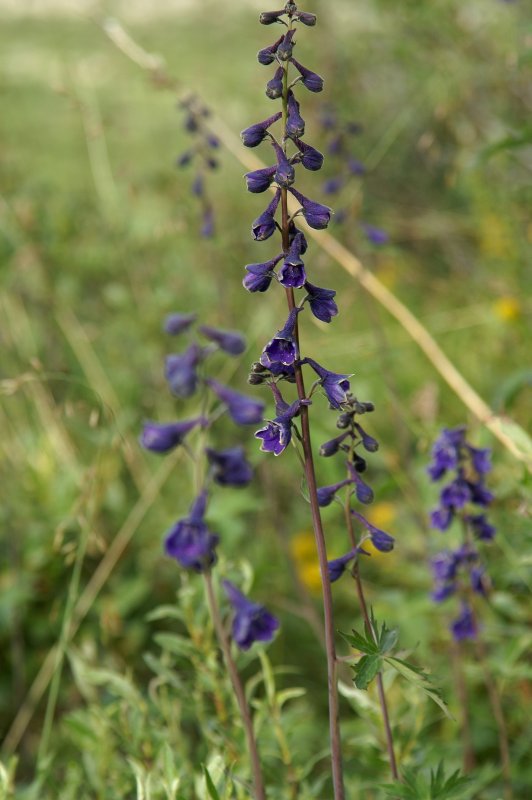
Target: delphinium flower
[
  {"x": 464, "y": 497},
  {"x": 348, "y": 169},
  {"x": 203, "y": 154},
  {"x": 281, "y": 360},
  {"x": 190, "y": 541}
]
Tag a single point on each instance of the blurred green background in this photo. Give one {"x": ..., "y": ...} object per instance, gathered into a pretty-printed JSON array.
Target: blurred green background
[{"x": 99, "y": 241}]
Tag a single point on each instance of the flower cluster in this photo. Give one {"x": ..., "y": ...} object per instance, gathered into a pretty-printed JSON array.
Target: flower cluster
[
  {"x": 190, "y": 541},
  {"x": 460, "y": 572},
  {"x": 339, "y": 136},
  {"x": 202, "y": 154}
]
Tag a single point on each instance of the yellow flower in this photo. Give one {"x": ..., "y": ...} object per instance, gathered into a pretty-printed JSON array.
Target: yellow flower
[{"x": 507, "y": 308}]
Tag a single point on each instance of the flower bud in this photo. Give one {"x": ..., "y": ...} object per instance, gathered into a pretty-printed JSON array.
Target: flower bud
[
  {"x": 284, "y": 51},
  {"x": 306, "y": 18},
  {"x": 274, "y": 87},
  {"x": 270, "y": 17}
]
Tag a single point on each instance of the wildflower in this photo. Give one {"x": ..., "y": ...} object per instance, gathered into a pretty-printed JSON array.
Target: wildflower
[
  {"x": 282, "y": 349},
  {"x": 368, "y": 442},
  {"x": 161, "y": 437},
  {"x": 269, "y": 17},
  {"x": 334, "y": 384},
  {"x": 311, "y": 158},
  {"x": 292, "y": 273},
  {"x": 326, "y": 494},
  {"x": 207, "y": 227},
  {"x": 267, "y": 54},
  {"x": 277, "y": 433},
  {"x": 306, "y": 18},
  {"x": 260, "y": 179},
  {"x": 260, "y": 276},
  {"x": 321, "y": 302},
  {"x": 177, "y": 323},
  {"x": 480, "y": 526},
  {"x": 295, "y": 124},
  {"x": 464, "y": 626},
  {"x": 375, "y": 235},
  {"x": 311, "y": 81},
  {"x": 242, "y": 409},
  {"x": 284, "y": 172},
  {"x": 331, "y": 447},
  {"x": 274, "y": 87},
  {"x": 190, "y": 542},
  {"x": 255, "y": 134},
  {"x": 264, "y": 226},
  {"x": 230, "y": 342},
  {"x": 380, "y": 539},
  {"x": 284, "y": 51},
  {"x": 252, "y": 622},
  {"x": 316, "y": 215},
  {"x": 180, "y": 371},
  {"x": 230, "y": 467}
]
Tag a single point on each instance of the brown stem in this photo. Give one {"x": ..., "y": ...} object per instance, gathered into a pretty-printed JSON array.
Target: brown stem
[
  {"x": 370, "y": 629},
  {"x": 468, "y": 753},
  {"x": 238, "y": 689}
]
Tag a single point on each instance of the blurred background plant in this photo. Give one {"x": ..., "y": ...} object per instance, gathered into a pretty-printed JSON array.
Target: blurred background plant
[{"x": 98, "y": 237}]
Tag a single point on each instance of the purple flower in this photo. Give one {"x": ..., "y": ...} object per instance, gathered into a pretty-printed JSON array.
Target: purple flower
[
  {"x": 255, "y": 134},
  {"x": 375, "y": 235},
  {"x": 456, "y": 494},
  {"x": 267, "y": 54},
  {"x": 311, "y": 81},
  {"x": 269, "y": 17},
  {"x": 442, "y": 591},
  {"x": 334, "y": 384},
  {"x": 185, "y": 158},
  {"x": 274, "y": 87},
  {"x": 355, "y": 166},
  {"x": 479, "y": 494},
  {"x": 198, "y": 185},
  {"x": 292, "y": 273},
  {"x": 230, "y": 466},
  {"x": 481, "y": 459},
  {"x": 252, "y": 622},
  {"x": 260, "y": 179},
  {"x": 316, "y": 215},
  {"x": 333, "y": 185},
  {"x": 284, "y": 51},
  {"x": 161, "y": 437},
  {"x": 311, "y": 158},
  {"x": 207, "y": 227},
  {"x": 177, "y": 323},
  {"x": 231, "y": 342},
  {"x": 295, "y": 124},
  {"x": 380, "y": 539},
  {"x": 338, "y": 566},
  {"x": 260, "y": 276},
  {"x": 282, "y": 349},
  {"x": 242, "y": 409},
  {"x": 481, "y": 528},
  {"x": 284, "y": 174},
  {"x": 190, "y": 542},
  {"x": 264, "y": 226},
  {"x": 331, "y": 447},
  {"x": 326, "y": 494},
  {"x": 479, "y": 581},
  {"x": 446, "y": 452},
  {"x": 444, "y": 566},
  {"x": 180, "y": 371},
  {"x": 441, "y": 518},
  {"x": 321, "y": 302},
  {"x": 306, "y": 18},
  {"x": 277, "y": 433},
  {"x": 464, "y": 626}
]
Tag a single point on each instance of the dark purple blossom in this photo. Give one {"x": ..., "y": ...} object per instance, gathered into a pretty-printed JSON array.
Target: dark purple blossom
[
  {"x": 355, "y": 166},
  {"x": 207, "y": 226},
  {"x": 269, "y": 17},
  {"x": 277, "y": 433},
  {"x": 161, "y": 437},
  {"x": 480, "y": 494},
  {"x": 306, "y": 18},
  {"x": 310, "y": 80},
  {"x": 479, "y": 581},
  {"x": 464, "y": 626},
  {"x": 198, "y": 185},
  {"x": 333, "y": 185},
  {"x": 375, "y": 235},
  {"x": 242, "y": 409},
  {"x": 180, "y": 371},
  {"x": 255, "y": 134},
  {"x": 326, "y": 494},
  {"x": 295, "y": 124},
  {"x": 230, "y": 466},
  {"x": 260, "y": 276},
  {"x": 252, "y": 622},
  {"x": 338, "y": 566},
  {"x": 284, "y": 51},
  {"x": 274, "y": 87},
  {"x": 334, "y": 384},
  {"x": 441, "y": 518},
  {"x": 284, "y": 174},
  {"x": 231, "y": 342},
  {"x": 316, "y": 215},
  {"x": 190, "y": 541},
  {"x": 260, "y": 179},
  {"x": 480, "y": 526},
  {"x": 177, "y": 323},
  {"x": 292, "y": 273},
  {"x": 368, "y": 442},
  {"x": 331, "y": 447},
  {"x": 480, "y": 459},
  {"x": 282, "y": 349},
  {"x": 456, "y": 494},
  {"x": 446, "y": 452},
  {"x": 321, "y": 302},
  {"x": 380, "y": 539},
  {"x": 267, "y": 54},
  {"x": 311, "y": 158},
  {"x": 264, "y": 226}
]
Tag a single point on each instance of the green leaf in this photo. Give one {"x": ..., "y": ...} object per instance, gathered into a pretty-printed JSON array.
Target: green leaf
[
  {"x": 419, "y": 678},
  {"x": 366, "y": 669},
  {"x": 211, "y": 788},
  {"x": 360, "y": 642},
  {"x": 387, "y": 639}
]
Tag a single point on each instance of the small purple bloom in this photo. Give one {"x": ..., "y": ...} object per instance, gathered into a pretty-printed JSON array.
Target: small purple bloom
[
  {"x": 481, "y": 459},
  {"x": 363, "y": 492},
  {"x": 355, "y": 166},
  {"x": 380, "y": 539},
  {"x": 242, "y": 409},
  {"x": 333, "y": 185},
  {"x": 185, "y": 158},
  {"x": 177, "y": 323},
  {"x": 277, "y": 433},
  {"x": 442, "y": 591},
  {"x": 456, "y": 494},
  {"x": 282, "y": 349},
  {"x": 190, "y": 542},
  {"x": 310, "y": 80},
  {"x": 260, "y": 179},
  {"x": 446, "y": 452},
  {"x": 260, "y": 276},
  {"x": 444, "y": 566},
  {"x": 321, "y": 302},
  {"x": 295, "y": 124},
  {"x": 316, "y": 215},
  {"x": 284, "y": 51},
  {"x": 161, "y": 437},
  {"x": 274, "y": 87},
  {"x": 213, "y": 141},
  {"x": 180, "y": 371},
  {"x": 326, "y": 494},
  {"x": 481, "y": 528},
  {"x": 267, "y": 54},
  {"x": 269, "y": 17},
  {"x": 284, "y": 173},
  {"x": 368, "y": 442},
  {"x": 252, "y": 622},
  {"x": 198, "y": 185},
  {"x": 207, "y": 227},
  {"x": 338, "y": 566},
  {"x": 306, "y": 18},
  {"x": 331, "y": 447},
  {"x": 441, "y": 518},
  {"x": 292, "y": 273},
  {"x": 311, "y": 158},
  {"x": 230, "y": 342},
  {"x": 479, "y": 581},
  {"x": 230, "y": 466},
  {"x": 334, "y": 384},
  {"x": 480, "y": 495},
  {"x": 255, "y": 134},
  {"x": 375, "y": 235},
  {"x": 264, "y": 226},
  {"x": 464, "y": 626}
]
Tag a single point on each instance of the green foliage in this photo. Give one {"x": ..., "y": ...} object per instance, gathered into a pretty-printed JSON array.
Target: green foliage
[{"x": 416, "y": 786}]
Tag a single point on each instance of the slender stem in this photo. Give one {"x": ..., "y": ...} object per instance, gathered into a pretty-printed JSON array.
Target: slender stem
[
  {"x": 310, "y": 476},
  {"x": 468, "y": 755},
  {"x": 370, "y": 629},
  {"x": 238, "y": 689}
]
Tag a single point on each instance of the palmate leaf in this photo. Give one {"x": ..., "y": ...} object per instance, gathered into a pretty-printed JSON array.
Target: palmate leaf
[
  {"x": 419, "y": 678},
  {"x": 366, "y": 669},
  {"x": 416, "y": 786},
  {"x": 360, "y": 641}
]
